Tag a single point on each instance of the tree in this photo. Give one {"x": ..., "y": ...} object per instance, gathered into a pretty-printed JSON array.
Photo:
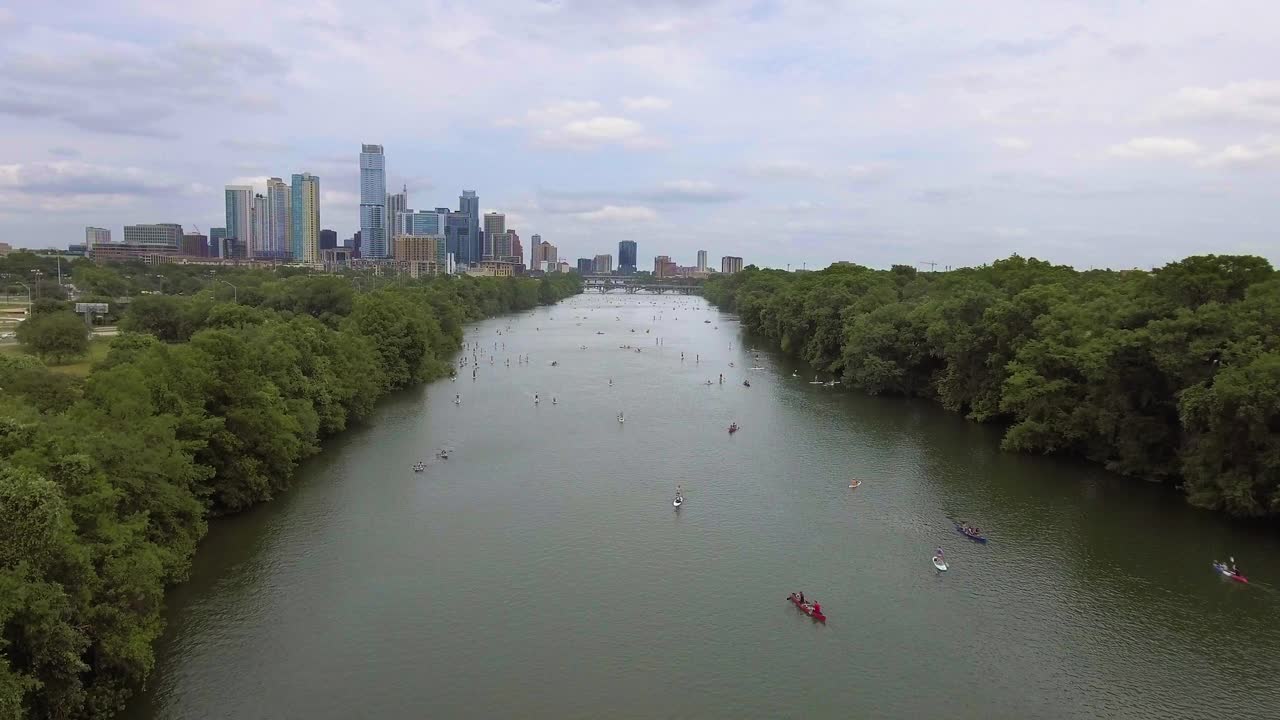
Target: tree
[{"x": 56, "y": 336}]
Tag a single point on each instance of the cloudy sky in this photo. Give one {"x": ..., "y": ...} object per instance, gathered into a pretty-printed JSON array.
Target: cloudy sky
[{"x": 1097, "y": 133}]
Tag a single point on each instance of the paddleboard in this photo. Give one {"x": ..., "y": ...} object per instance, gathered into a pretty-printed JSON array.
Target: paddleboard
[
  {"x": 941, "y": 565},
  {"x": 677, "y": 503}
]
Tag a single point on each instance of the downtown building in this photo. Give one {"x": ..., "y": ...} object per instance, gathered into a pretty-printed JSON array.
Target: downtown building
[
  {"x": 664, "y": 267},
  {"x": 603, "y": 264},
  {"x": 627, "y": 257},
  {"x": 239, "y": 217},
  {"x": 471, "y": 248},
  {"x": 585, "y": 266},
  {"x": 730, "y": 264},
  {"x": 495, "y": 232},
  {"x": 702, "y": 261},
  {"x": 546, "y": 257},
  {"x": 96, "y": 236},
  {"x": 373, "y": 202},
  {"x": 305, "y": 208},
  {"x": 279, "y": 242}
]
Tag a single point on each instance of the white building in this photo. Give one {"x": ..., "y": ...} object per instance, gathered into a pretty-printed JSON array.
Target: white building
[
  {"x": 702, "y": 260},
  {"x": 96, "y": 236}
]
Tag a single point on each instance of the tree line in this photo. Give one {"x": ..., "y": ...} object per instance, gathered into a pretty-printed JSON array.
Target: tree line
[
  {"x": 202, "y": 406},
  {"x": 1171, "y": 375}
]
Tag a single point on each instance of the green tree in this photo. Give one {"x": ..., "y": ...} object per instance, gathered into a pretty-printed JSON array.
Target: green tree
[{"x": 55, "y": 336}]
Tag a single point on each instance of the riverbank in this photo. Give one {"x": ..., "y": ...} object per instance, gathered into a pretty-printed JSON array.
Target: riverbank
[
  {"x": 1165, "y": 376},
  {"x": 201, "y": 408}
]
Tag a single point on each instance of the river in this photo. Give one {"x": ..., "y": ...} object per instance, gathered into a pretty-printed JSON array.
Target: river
[{"x": 541, "y": 572}]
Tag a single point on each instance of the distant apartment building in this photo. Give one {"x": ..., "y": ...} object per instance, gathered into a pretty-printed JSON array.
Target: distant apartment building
[
  {"x": 664, "y": 267},
  {"x": 730, "y": 264},
  {"x": 280, "y": 224},
  {"x": 421, "y": 222},
  {"x": 195, "y": 245},
  {"x": 586, "y": 266},
  {"x": 155, "y": 235},
  {"x": 396, "y": 203},
  {"x": 328, "y": 239},
  {"x": 702, "y": 260},
  {"x": 305, "y": 205},
  {"x": 543, "y": 251},
  {"x": 421, "y": 254},
  {"x": 517, "y": 248},
  {"x": 217, "y": 241},
  {"x": 96, "y": 236},
  {"x": 627, "y": 257},
  {"x": 261, "y": 219},
  {"x": 495, "y": 230},
  {"x": 470, "y": 248},
  {"x": 603, "y": 264},
  {"x": 239, "y": 213},
  {"x": 534, "y": 241}
]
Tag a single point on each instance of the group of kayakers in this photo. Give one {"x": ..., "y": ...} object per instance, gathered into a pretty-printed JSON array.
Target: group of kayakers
[
  {"x": 814, "y": 608},
  {"x": 970, "y": 530}
]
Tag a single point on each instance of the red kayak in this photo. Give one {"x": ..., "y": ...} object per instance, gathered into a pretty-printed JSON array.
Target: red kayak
[
  {"x": 1224, "y": 570},
  {"x": 807, "y": 609},
  {"x": 733, "y": 429}
]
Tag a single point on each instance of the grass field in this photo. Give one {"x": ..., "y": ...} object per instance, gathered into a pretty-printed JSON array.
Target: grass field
[{"x": 79, "y": 367}]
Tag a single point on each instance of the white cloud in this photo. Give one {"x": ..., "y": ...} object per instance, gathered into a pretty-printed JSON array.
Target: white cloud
[
  {"x": 867, "y": 172},
  {"x": 646, "y": 102},
  {"x": 619, "y": 213},
  {"x": 1255, "y": 101},
  {"x": 1154, "y": 148},
  {"x": 1264, "y": 152},
  {"x": 1015, "y": 144}
]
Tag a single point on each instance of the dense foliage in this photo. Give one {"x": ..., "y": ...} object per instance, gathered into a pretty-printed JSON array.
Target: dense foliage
[
  {"x": 1171, "y": 375},
  {"x": 201, "y": 407}
]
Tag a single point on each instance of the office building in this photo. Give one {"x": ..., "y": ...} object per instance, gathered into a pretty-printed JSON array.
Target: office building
[
  {"x": 356, "y": 242},
  {"x": 517, "y": 248},
  {"x": 603, "y": 265},
  {"x": 664, "y": 267},
  {"x": 261, "y": 213},
  {"x": 421, "y": 222},
  {"x": 396, "y": 203},
  {"x": 240, "y": 213},
  {"x": 534, "y": 241},
  {"x": 373, "y": 201},
  {"x": 328, "y": 239},
  {"x": 305, "y": 205},
  {"x": 167, "y": 235},
  {"x": 495, "y": 230},
  {"x": 96, "y": 236},
  {"x": 627, "y": 257},
  {"x": 195, "y": 245},
  {"x": 217, "y": 240},
  {"x": 702, "y": 260},
  {"x": 586, "y": 266},
  {"x": 457, "y": 235},
  {"x": 469, "y": 205},
  {"x": 279, "y": 232},
  {"x": 730, "y": 264},
  {"x": 543, "y": 252},
  {"x": 422, "y": 249}
]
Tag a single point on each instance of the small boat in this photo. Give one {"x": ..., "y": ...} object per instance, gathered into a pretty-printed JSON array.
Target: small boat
[
  {"x": 813, "y": 610},
  {"x": 854, "y": 485},
  {"x": 620, "y": 420},
  {"x": 974, "y": 536},
  {"x": 677, "y": 502},
  {"x": 746, "y": 383},
  {"x": 1226, "y": 571},
  {"x": 419, "y": 466},
  {"x": 707, "y": 322},
  {"x": 733, "y": 428},
  {"x": 939, "y": 563}
]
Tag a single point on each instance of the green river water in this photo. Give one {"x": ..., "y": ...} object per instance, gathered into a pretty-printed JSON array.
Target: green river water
[{"x": 541, "y": 572}]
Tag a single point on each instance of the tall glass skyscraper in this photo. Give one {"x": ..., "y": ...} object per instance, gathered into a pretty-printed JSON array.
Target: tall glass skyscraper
[
  {"x": 305, "y": 205},
  {"x": 373, "y": 201},
  {"x": 240, "y": 214},
  {"x": 469, "y": 205},
  {"x": 627, "y": 257},
  {"x": 279, "y": 197}
]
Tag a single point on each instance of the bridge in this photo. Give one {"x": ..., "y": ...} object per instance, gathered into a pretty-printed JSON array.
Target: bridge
[{"x": 632, "y": 285}]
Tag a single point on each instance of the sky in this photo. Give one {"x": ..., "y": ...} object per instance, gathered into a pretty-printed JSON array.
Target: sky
[{"x": 1094, "y": 133}]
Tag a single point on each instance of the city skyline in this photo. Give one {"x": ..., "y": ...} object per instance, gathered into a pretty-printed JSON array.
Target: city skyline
[{"x": 1084, "y": 135}]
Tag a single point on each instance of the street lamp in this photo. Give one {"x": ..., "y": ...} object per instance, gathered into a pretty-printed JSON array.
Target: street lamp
[{"x": 235, "y": 293}]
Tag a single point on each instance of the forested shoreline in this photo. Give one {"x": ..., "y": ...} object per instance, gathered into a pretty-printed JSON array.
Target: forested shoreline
[
  {"x": 202, "y": 406},
  {"x": 1170, "y": 376}
]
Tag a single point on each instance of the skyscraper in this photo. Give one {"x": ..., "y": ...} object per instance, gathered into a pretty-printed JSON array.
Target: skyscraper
[
  {"x": 585, "y": 266},
  {"x": 627, "y": 257},
  {"x": 373, "y": 201},
  {"x": 495, "y": 231},
  {"x": 328, "y": 239},
  {"x": 240, "y": 214},
  {"x": 305, "y": 204},
  {"x": 470, "y": 251},
  {"x": 217, "y": 242},
  {"x": 702, "y": 260},
  {"x": 603, "y": 264},
  {"x": 261, "y": 213},
  {"x": 457, "y": 234},
  {"x": 396, "y": 204},
  {"x": 155, "y": 234},
  {"x": 534, "y": 241},
  {"x": 96, "y": 236},
  {"x": 280, "y": 234},
  {"x": 511, "y": 251}
]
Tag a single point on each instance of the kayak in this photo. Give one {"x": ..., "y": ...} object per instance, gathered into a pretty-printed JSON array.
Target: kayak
[
  {"x": 733, "y": 429},
  {"x": 940, "y": 564},
  {"x": 677, "y": 502},
  {"x": 1224, "y": 570},
  {"x": 975, "y": 538},
  {"x": 855, "y": 484},
  {"x": 807, "y": 609}
]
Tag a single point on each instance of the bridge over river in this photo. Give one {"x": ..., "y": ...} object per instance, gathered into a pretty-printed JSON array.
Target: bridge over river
[{"x": 632, "y": 285}]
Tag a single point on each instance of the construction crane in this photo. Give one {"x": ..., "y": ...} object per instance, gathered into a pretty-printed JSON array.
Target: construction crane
[
  {"x": 931, "y": 265},
  {"x": 196, "y": 228}
]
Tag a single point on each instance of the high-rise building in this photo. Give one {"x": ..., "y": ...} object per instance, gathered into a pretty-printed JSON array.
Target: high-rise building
[
  {"x": 396, "y": 204},
  {"x": 261, "y": 213},
  {"x": 702, "y": 260},
  {"x": 195, "y": 245},
  {"x": 457, "y": 236},
  {"x": 356, "y": 243},
  {"x": 730, "y": 264},
  {"x": 305, "y": 205},
  {"x": 217, "y": 242},
  {"x": 586, "y": 266},
  {"x": 544, "y": 255},
  {"x": 534, "y": 241},
  {"x": 495, "y": 230},
  {"x": 373, "y": 201},
  {"x": 603, "y": 264},
  {"x": 627, "y": 257},
  {"x": 421, "y": 222},
  {"x": 156, "y": 235},
  {"x": 420, "y": 249},
  {"x": 469, "y": 205},
  {"x": 328, "y": 239},
  {"x": 240, "y": 213},
  {"x": 280, "y": 232},
  {"x": 96, "y": 236},
  {"x": 517, "y": 248}
]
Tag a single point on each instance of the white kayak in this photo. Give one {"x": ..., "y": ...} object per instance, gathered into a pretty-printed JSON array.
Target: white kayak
[
  {"x": 940, "y": 564},
  {"x": 677, "y": 502}
]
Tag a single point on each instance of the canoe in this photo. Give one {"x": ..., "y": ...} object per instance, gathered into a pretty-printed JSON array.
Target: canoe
[
  {"x": 1226, "y": 571},
  {"x": 807, "y": 610},
  {"x": 975, "y": 538},
  {"x": 940, "y": 564}
]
